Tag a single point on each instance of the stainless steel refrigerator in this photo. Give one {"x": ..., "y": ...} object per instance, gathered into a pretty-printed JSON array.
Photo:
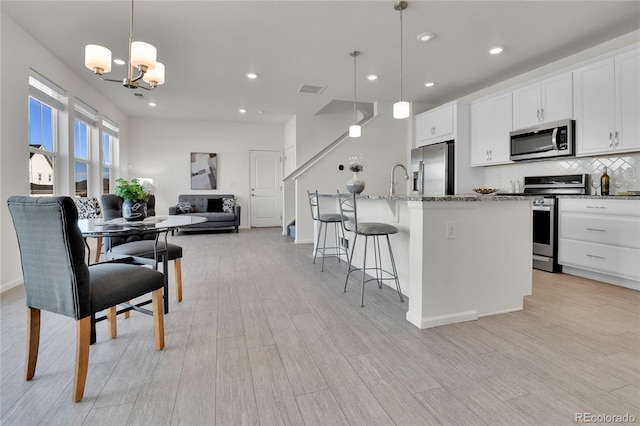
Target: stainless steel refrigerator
[{"x": 432, "y": 169}]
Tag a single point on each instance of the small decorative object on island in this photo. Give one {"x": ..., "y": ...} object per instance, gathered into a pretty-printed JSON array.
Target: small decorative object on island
[
  {"x": 355, "y": 184},
  {"x": 135, "y": 197}
]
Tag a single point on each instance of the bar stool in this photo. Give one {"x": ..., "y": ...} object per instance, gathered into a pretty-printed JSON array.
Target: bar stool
[
  {"x": 349, "y": 213},
  {"x": 324, "y": 219}
]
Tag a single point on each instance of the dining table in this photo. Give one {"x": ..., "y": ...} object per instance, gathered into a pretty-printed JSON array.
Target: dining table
[{"x": 157, "y": 226}]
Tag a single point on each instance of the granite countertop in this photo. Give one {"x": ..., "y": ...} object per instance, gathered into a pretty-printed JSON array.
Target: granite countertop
[
  {"x": 459, "y": 197},
  {"x": 602, "y": 197}
]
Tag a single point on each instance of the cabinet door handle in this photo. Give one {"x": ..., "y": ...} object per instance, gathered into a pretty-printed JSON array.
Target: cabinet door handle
[
  {"x": 610, "y": 139},
  {"x": 538, "y": 115},
  {"x": 597, "y": 257},
  {"x": 596, "y": 207},
  {"x": 596, "y": 229},
  {"x": 541, "y": 114},
  {"x": 616, "y": 139}
]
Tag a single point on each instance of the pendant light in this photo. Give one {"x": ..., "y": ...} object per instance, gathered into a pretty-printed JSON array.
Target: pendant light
[
  {"x": 401, "y": 108},
  {"x": 354, "y": 130}
]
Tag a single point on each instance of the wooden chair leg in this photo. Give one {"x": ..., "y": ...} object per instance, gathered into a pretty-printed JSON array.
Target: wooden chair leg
[
  {"x": 158, "y": 318},
  {"x": 83, "y": 336},
  {"x": 98, "y": 249},
  {"x": 111, "y": 322},
  {"x": 33, "y": 342},
  {"x": 177, "y": 266}
]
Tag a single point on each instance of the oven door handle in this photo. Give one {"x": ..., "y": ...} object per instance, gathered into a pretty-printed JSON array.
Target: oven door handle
[{"x": 543, "y": 208}]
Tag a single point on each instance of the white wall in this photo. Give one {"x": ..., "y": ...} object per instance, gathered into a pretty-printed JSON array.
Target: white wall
[
  {"x": 384, "y": 143},
  {"x": 19, "y": 52},
  {"x": 161, "y": 149}
]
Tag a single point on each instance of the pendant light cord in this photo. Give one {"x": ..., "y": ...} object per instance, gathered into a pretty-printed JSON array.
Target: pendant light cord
[
  {"x": 130, "y": 71},
  {"x": 401, "y": 56},
  {"x": 355, "y": 53}
]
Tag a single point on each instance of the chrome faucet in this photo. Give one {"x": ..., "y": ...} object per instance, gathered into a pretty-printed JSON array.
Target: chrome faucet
[{"x": 392, "y": 188}]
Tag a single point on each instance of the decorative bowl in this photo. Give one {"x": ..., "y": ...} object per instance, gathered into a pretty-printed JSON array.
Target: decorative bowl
[{"x": 485, "y": 191}]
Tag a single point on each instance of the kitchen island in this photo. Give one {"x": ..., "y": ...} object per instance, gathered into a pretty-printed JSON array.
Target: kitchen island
[{"x": 459, "y": 257}]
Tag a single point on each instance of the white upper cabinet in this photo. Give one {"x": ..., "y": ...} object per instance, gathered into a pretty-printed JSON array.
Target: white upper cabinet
[
  {"x": 490, "y": 127},
  {"x": 436, "y": 125},
  {"x": 543, "y": 102},
  {"x": 607, "y": 105}
]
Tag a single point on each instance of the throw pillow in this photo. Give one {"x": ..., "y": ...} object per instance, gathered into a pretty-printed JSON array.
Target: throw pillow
[
  {"x": 184, "y": 207},
  {"x": 214, "y": 205},
  {"x": 228, "y": 205}
]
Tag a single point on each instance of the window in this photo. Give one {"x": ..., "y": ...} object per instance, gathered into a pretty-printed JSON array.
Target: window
[
  {"x": 46, "y": 100},
  {"x": 83, "y": 125},
  {"x": 109, "y": 139}
]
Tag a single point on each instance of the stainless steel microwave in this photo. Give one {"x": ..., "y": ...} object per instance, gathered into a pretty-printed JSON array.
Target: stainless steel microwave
[{"x": 556, "y": 139}]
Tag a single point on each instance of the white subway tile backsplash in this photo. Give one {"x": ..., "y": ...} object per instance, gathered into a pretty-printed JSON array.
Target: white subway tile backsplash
[{"x": 625, "y": 169}]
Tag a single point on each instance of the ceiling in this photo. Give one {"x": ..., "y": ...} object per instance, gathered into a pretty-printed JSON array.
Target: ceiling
[{"x": 209, "y": 46}]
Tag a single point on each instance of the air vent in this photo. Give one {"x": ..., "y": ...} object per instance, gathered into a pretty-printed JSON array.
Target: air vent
[
  {"x": 138, "y": 95},
  {"x": 314, "y": 90}
]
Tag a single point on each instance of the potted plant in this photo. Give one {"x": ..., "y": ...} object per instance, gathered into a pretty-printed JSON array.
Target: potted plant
[
  {"x": 355, "y": 184},
  {"x": 135, "y": 196}
]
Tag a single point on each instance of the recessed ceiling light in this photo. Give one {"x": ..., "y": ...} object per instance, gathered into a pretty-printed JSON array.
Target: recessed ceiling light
[
  {"x": 252, "y": 75},
  {"x": 372, "y": 77},
  {"x": 429, "y": 84},
  {"x": 426, "y": 36},
  {"x": 242, "y": 110},
  {"x": 152, "y": 104},
  {"x": 496, "y": 50},
  {"x": 118, "y": 61}
]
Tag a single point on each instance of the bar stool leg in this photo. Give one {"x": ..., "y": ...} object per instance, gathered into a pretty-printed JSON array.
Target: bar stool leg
[
  {"x": 337, "y": 240},
  {"x": 315, "y": 251},
  {"x": 324, "y": 247},
  {"x": 376, "y": 252},
  {"x": 364, "y": 266},
  {"x": 349, "y": 270},
  {"x": 395, "y": 272}
]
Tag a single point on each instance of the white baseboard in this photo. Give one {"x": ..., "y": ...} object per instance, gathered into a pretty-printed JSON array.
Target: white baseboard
[
  {"x": 437, "y": 320},
  {"x": 11, "y": 284}
]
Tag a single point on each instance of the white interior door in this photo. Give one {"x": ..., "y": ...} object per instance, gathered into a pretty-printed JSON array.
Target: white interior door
[{"x": 266, "y": 185}]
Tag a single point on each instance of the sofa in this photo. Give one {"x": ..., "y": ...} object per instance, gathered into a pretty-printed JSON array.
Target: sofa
[{"x": 220, "y": 210}]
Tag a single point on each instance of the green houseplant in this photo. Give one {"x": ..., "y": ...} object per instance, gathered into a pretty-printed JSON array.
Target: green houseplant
[
  {"x": 135, "y": 196},
  {"x": 131, "y": 190}
]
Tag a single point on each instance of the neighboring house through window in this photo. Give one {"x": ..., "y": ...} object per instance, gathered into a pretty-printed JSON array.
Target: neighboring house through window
[{"x": 46, "y": 100}]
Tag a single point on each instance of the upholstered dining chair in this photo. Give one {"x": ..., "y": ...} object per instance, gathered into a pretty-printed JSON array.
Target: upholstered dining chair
[
  {"x": 57, "y": 278},
  {"x": 89, "y": 208},
  {"x": 140, "y": 245}
]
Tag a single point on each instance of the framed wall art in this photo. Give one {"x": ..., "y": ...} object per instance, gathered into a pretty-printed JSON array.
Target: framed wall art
[{"x": 204, "y": 170}]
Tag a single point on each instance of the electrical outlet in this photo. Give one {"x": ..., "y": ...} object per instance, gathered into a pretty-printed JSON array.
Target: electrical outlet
[
  {"x": 451, "y": 231},
  {"x": 344, "y": 242}
]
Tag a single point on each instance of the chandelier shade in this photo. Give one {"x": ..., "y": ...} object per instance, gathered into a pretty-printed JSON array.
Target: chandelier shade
[
  {"x": 97, "y": 57},
  {"x": 142, "y": 56}
]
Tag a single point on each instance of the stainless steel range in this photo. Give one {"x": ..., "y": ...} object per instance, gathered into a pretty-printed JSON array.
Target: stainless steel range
[{"x": 545, "y": 214}]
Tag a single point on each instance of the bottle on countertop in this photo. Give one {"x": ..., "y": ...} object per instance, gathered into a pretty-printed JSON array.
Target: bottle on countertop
[{"x": 604, "y": 182}]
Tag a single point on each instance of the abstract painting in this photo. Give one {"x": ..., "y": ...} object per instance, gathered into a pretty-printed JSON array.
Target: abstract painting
[{"x": 204, "y": 170}]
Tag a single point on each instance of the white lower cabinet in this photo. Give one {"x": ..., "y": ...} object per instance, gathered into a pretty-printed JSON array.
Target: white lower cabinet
[{"x": 600, "y": 239}]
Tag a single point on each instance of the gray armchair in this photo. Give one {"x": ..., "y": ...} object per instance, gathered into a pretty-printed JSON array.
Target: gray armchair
[{"x": 57, "y": 278}]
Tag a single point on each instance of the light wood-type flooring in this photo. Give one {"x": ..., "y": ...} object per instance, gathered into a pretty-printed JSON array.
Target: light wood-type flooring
[{"x": 263, "y": 337}]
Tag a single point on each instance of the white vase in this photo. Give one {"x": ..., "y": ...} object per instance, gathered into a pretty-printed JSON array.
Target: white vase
[{"x": 355, "y": 184}]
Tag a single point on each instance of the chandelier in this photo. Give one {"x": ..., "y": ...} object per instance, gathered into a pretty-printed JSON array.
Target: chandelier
[{"x": 141, "y": 55}]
